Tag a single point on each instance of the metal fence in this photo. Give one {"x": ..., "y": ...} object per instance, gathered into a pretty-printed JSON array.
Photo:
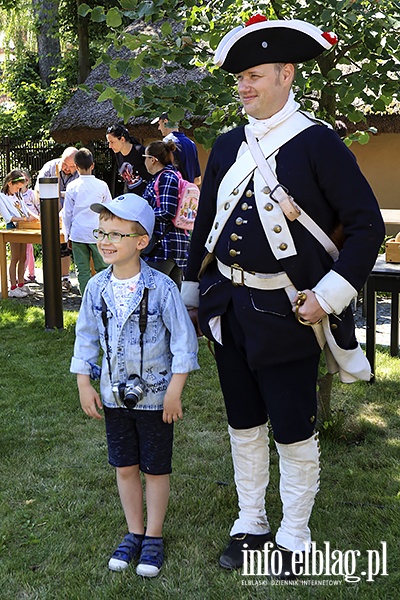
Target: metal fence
[{"x": 32, "y": 155}]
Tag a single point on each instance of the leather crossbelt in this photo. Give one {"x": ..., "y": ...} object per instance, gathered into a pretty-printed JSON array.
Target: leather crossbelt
[
  {"x": 260, "y": 281},
  {"x": 279, "y": 194}
]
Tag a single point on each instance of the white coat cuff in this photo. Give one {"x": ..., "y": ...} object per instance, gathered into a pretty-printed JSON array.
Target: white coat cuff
[
  {"x": 334, "y": 293},
  {"x": 190, "y": 294}
]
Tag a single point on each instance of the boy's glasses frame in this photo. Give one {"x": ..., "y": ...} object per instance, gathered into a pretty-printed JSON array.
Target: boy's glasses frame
[{"x": 115, "y": 237}]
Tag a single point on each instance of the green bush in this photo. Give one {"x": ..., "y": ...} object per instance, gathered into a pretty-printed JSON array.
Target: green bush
[{"x": 32, "y": 105}]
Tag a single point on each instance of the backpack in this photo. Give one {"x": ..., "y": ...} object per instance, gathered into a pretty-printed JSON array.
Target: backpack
[{"x": 188, "y": 202}]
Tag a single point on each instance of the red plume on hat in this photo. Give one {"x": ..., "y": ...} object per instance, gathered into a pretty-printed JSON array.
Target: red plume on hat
[
  {"x": 255, "y": 19},
  {"x": 263, "y": 41}
]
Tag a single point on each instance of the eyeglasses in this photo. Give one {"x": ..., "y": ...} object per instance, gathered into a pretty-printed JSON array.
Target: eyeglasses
[
  {"x": 147, "y": 156},
  {"x": 113, "y": 236}
]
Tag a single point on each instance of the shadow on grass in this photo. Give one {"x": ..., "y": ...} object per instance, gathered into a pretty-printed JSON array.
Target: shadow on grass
[
  {"x": 362, "y": 410},
  {"x": 22, "y": 316}
]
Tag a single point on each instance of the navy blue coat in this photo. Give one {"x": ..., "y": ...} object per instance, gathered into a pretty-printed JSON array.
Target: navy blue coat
[{"x": 323, "y": 177}]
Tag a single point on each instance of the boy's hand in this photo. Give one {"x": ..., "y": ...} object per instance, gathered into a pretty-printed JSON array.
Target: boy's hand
[
  {"x": 172, "y": 409},
  {"x": 172, "y": 399},
  {"x": 89, "y": 398}
]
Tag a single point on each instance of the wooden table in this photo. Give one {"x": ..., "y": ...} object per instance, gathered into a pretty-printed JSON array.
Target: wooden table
[
  {"x": 391, "y": 216},
  {"x": 18, "y": 236},
  {"x": 384, "y": 277}
]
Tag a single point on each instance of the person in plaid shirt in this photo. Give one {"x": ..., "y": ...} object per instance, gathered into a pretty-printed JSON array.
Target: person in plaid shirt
[{"x": 169, "y": 253}]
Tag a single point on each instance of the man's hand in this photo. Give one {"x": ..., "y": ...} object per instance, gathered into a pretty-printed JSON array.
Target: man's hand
[{"x": 310, "y": 310}]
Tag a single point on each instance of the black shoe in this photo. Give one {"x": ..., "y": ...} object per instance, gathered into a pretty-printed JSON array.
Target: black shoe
[
  {"x": 283, "y": 569},
  {"x": 232, "y": 558}
]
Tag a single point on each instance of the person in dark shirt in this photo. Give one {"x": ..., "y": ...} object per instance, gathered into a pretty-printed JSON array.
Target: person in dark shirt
[
  {"x": 186, "y": 157},
  {"x": 128, "y": 154}
]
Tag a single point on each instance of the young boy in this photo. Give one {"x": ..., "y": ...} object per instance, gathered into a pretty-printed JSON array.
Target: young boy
[
  {"x": 79, "y": 221},
  {"x": 142, "y": 375}
]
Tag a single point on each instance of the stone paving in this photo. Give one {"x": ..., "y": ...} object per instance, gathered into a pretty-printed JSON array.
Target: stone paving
[
  {"x": 71, "y": 299},
  {"x": 382, "y": 322}
]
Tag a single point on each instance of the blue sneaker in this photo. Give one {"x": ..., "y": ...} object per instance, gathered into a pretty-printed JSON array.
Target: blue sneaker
[
  {"x": 128, "y": 549},
  {"x": 151, "y": 557}
]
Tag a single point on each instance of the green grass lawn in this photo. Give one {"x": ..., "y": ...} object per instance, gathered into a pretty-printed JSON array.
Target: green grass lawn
[{"x": 60, "y": 517}]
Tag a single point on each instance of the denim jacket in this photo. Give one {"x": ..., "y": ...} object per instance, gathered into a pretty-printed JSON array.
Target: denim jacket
[{"x": 170, "y": 342}]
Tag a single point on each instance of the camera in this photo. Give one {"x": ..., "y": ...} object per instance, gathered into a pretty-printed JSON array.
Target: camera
[{"x": 131, "y": 392}]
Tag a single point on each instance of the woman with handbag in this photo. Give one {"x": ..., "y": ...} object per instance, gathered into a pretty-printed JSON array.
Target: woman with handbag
[{"x": 169, "y": 250}]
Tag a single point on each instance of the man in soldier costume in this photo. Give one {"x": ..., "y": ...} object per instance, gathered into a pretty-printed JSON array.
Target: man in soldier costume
[{"x": 274, "y": 289}]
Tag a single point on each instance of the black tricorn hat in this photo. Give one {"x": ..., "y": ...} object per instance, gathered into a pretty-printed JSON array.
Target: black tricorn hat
[{"x": 261, "y": 41}]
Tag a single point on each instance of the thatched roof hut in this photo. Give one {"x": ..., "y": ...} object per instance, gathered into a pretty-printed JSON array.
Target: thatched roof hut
[
  {"x": 384, "y": 123},
  {"x": 84, "y": 119}
]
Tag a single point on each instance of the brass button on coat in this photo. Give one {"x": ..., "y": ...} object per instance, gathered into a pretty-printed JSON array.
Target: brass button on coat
[
  {"x": 249, "y": 193},
  {"x": 233, "y": 252},
  {"x": 283, "y": 246},
  {"x": 269, "y": 206},
  {"x": 227, "y": 206},
  {"x": 239, "y": 221},
  {"x": 244, "y": 206},
  {"x": 266, "y": 190},
  {"x": 277, "y": 228},
  {"x": 334, "y": 326},
  {"x": 234, "y": 237},
  {"x": 235, "y": 192}
]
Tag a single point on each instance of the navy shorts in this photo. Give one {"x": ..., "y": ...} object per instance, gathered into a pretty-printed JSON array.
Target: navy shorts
[{"x": 139, "y": 437}]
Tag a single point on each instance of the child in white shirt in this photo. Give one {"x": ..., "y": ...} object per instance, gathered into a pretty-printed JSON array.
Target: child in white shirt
[
  {"x": 79, "y": 221},
  {"x": 13, "y": 210}
]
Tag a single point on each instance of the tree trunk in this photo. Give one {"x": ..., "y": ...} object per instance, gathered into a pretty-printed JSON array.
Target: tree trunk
[
  {"x": 46, "y": 16},
  {"x": 327, "y": 102},
  {"x": 83, "y": 46}
]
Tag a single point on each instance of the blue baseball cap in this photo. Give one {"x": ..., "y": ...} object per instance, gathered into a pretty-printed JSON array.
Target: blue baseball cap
[{"x": 130, "y": 207}]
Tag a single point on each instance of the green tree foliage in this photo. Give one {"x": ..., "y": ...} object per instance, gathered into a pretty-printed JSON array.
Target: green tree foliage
[
  {"x": 31, "y": 102},
  {"x": 360, "y": 73}
]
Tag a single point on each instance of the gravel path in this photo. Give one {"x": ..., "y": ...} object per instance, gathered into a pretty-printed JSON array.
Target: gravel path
[
  {"x": 382, "y": 322},
  {"x": 71, "y": 299}
]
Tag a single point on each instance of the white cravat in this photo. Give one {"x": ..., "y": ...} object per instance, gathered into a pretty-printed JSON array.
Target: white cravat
[{"x": 262, "y": 126}]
